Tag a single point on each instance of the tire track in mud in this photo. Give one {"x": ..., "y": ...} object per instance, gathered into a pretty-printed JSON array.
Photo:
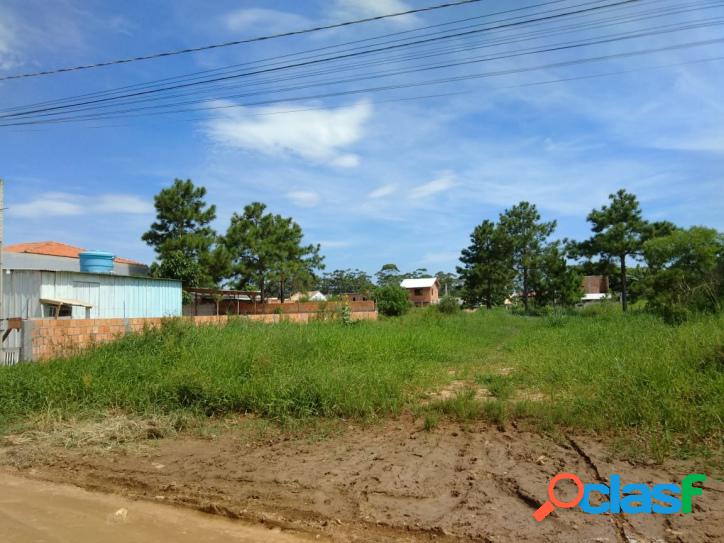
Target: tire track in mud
[
  {"x": 619, "y": 521},
  {"x": 397, "y": 482}
]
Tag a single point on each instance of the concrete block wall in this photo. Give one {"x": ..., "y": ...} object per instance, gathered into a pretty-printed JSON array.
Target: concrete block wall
[{"x": 43, "y": 339}]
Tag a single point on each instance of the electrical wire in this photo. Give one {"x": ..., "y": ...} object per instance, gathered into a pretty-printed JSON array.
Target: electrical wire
[
  {"x": 571, "y": 28},
  {"x": 235, "y": 42},
  {"x": 398, "y": 86},
  {"x": 313, "y": 62}
]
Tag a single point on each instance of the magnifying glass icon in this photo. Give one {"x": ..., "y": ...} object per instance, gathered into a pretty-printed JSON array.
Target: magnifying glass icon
[{"x": 547, "y": 508}]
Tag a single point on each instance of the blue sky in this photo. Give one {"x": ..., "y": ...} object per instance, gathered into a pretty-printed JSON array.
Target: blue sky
[{"x": 374, "y": 177}]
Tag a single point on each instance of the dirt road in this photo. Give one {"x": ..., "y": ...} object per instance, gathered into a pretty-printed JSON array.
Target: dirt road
[
  {"x": 391, "y": 482},
  {"x": 37, "y": 511}
]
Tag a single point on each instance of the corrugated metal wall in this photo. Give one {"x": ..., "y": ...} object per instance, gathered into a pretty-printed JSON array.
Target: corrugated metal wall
[
  {"x": 115, "y": 296},
  {"x": 112, "y": 296}
]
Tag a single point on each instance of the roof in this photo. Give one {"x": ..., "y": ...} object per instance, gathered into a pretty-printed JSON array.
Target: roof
[
  {"x": 64, "y": 301},
  {"x": 422, "y": 282},
  {"x": 54, "y": 248},
  {"x": 594, "y": 296}
]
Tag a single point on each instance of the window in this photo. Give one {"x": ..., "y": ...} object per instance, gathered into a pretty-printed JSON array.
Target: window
[
  {"x": 57, "y": 311},
  {"x": 418, "y": 292}
]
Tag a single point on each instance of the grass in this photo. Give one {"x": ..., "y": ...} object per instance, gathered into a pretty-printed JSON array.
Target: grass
[{"x": 658, "y": 388}]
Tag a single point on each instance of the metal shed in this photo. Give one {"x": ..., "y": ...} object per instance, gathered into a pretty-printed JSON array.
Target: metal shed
[
  {"x": 108, "y": 295},
  {"x": 111, "y": 296}
]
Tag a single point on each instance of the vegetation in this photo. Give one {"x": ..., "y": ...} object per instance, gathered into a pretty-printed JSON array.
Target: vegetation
[
  {"x": 487, "y": 270},
  {"x": 527, "y": 236},
  {"x": 182, "y": 236},
  {"x": 267, "y": 249},
  {"x": 627, "y": 376},
  {"x": 392, "y": 300},
  {"x": 618, "y": 233},
  {"x": 448, "y": 305},
  {"x": 685, "y": 273},
  {"x": 346, "y": 282},
  {"x": 515, "y": 255}
]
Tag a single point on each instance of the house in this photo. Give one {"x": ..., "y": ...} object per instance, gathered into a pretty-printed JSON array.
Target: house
[
  {"x": 71, "y": 284},
  {"x": 422, "y": 291},
  {"x": 595, "y": 289},
  {"x": 311, "y": 296},
  {"x": 355, "y": 297}
]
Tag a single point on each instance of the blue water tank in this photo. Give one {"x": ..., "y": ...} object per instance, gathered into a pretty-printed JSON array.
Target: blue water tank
[{"x": 96, "y": 262}]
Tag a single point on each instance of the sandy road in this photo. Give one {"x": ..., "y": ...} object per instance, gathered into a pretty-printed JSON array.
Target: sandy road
[{"x": 36, "y": 511}]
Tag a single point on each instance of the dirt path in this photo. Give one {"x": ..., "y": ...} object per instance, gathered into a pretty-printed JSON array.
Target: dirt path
[
  {"x": 38, "y": 511},
  {"x": 460, "y": 482}
]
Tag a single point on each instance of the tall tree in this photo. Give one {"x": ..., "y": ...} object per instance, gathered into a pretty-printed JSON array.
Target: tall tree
[
  {"x": 389, "y": 274},
  {"x": 266, "y": 248},
  {"x": 618, "y": 232},
  {"x": 450, "y": 284},
  {"x": 182, "y": 233},
  {"x": 686, "y": 272},
  {"x": 487, "y": 270},
  {"x": 527, "y": 235},
  {"x": 553, "y": 280},
  {"x": 345, "y": 282}
]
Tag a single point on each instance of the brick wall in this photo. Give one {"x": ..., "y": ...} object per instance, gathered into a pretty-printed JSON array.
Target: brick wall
[{"x": 51, "y": 338}]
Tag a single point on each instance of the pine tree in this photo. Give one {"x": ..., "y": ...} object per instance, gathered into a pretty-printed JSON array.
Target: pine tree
[
  {"x": 487, "y": 271},
  {"x": 181, "y": 233},
  {"x": 389, "y": 274},
  {"x": 619, "y": 232},
  {"x": 527, "y": 236},
  {"x": 265, "y": 248}
]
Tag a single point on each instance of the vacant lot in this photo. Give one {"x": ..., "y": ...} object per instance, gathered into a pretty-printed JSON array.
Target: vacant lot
[
  {"x": 431, "y": 425},
  {"x": 662, "y": 387}
]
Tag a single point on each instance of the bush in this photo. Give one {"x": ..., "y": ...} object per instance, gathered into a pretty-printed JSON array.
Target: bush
[
  {"x": 448, "y": 305},
  {"x": 392, "y": 300}
]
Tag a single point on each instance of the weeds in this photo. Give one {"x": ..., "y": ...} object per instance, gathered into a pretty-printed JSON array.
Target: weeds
[{"x": 659, "y": 388}]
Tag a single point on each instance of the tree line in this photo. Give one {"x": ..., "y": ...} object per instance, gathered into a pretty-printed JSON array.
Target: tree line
[
  {"x": 259, "y": 250},
  {"x": 678, "y": 270}
]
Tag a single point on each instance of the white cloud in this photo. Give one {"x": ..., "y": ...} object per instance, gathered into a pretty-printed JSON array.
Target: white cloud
[
  {"x": 9, "y": 57},
  {"x": 347, "y": 10},
  {"x": 303, "y": 198},
  {"x": 121, "y": 203},
  {"x": 442, "y": 183},
  {"x": 61, "y": 204},
  {"x": 346, "y": 161},
  {"x": 332, "y": 244},
  {"x": 384, "y": 190},
  {"x": 271, "y": 20},
  {"x": 318, "y": 135}
]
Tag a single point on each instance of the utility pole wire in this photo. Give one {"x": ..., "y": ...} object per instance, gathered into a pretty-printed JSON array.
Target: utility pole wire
[
  {"x": 235, "y": 42},
  {"x": 313, "y": 62}
]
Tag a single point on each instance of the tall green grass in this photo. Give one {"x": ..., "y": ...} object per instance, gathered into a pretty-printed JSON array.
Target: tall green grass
[
  {"x": 651, "y": 382},
  {"x": 634, "y": 376},
  {"x": 284, "y": 370}
]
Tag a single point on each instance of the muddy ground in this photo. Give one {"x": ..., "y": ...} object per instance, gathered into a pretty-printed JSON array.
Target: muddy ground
[{"x": 388, "y": 482}]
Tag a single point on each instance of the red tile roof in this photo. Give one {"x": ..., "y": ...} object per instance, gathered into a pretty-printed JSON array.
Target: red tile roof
[{"x": 54, "y": 248}]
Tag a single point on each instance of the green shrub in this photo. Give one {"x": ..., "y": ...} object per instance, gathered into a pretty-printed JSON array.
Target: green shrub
[
  {"x": 448, "y": 305},
  {"x": 392, "y": 300}
]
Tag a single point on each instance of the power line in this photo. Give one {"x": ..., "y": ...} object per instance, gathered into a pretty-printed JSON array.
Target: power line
[
  {"x": 231, "y": 67},
  {"x": 191, "y": 76},
  {"x": 317, "y": 61},
  {"x": 120, "y": 114},
  {"x": 567, "y": 29},
  {"x": 236, "y": 42},
  {"x": 436, "y": 95},
  {"x": 512, "y": 54}
]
